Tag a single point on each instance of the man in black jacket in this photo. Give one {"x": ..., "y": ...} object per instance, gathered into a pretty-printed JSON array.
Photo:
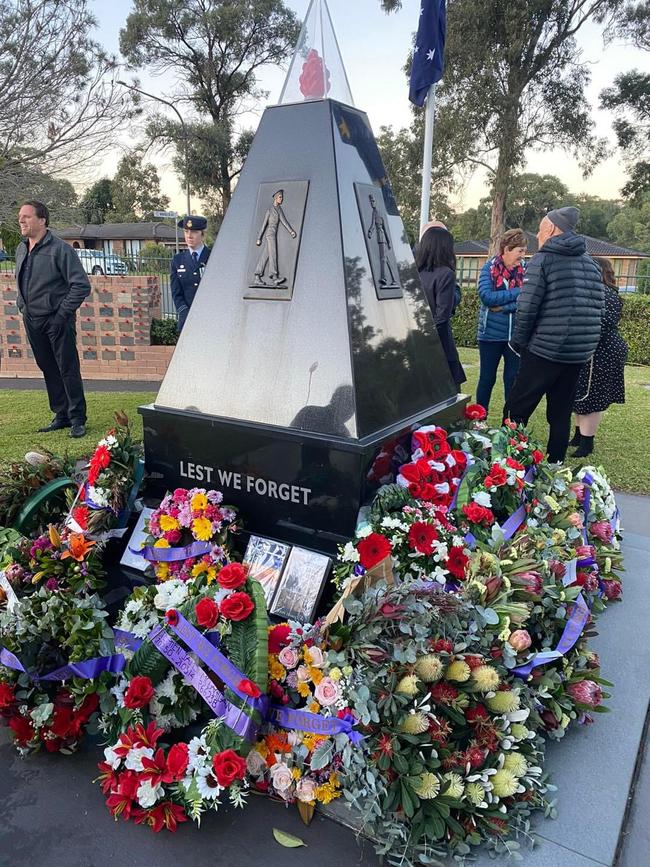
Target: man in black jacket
[
  {"x": 51, "y": 285},
  {"x": 557, "y": 326}
]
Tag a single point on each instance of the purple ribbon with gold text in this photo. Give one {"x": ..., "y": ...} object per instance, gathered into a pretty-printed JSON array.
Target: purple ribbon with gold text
[
  {"x": 572, "y": 632},
  {"x": 171, "y": 555}
]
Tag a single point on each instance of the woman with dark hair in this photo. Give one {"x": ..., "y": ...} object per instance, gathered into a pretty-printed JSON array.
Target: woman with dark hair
[
  {"x": 499, "y": 285},
  {"x": 602, "y": 380},
  {"x": 436, "y": 262}
]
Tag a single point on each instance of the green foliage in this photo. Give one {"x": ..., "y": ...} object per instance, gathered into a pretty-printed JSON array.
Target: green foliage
[
  {"x": 97, "y": 201},
  {"x": 631, "y": 226},
  {"x": 136, "y": 189},
  {"x": 247, "y": 644},
  {"x": 629, "y": 98},
  {"x": 148, "y": 662},
  {"x": 389, "y": 499},
  {"x": 164, "y": 332}
]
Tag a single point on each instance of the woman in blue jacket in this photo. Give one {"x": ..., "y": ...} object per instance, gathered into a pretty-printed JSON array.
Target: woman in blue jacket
[{"x": 499, "y": 286}]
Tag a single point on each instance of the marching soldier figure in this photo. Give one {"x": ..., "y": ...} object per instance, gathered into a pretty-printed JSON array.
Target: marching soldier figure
[
  {"x": 269, "y": 233},
  {"x": 187, "y": 267},
  {"x": 383, "y": 241}
]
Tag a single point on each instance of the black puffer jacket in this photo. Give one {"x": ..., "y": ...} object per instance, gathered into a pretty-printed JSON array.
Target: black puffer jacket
[{"x": 560, "y": 306}]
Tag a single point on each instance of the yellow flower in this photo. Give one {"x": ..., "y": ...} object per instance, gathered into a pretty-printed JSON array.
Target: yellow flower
[
  {"x": 199, "y": 568},
  {"x": 516, "y": 763},
  {"x": 408, "y": 685},
  {"x": 53, "y": 533},
  {"x": 429, "y": 667},
  {"x": 262, "y": 749},
  {"x": 167, "y": 522},
  {"x": 458, "y": 671},
  {"x": 202, "y": 529},
  {"x": 518, "y": 731},
  {"x": 426, "y": 786},
  {"x": 199, "y": 502},
  {"x": 311, "y": 740},
  {"x": 162, "y": 571},
  {"x": 335, "y": 674},
  {"x": 475, "y": 793},
  {"x": 485, "y": 678},
  {"x": 414, "y": 724},
  {"x": 211, "y": 574},
  {"x": 316, "y": 674},
  {"x": 326, "y": 793},
  {"x": 276, "y": 670},
  {"x": 503, "y": 702},
  {"x": 455, "y": 785},
  {"x": 504, "y": 783},
  {"x": 303, "y": 689},
  {"x": 314, "y": 707},
  {"x": 295, "y": 773},
  {"x": 161, "y": 543}
]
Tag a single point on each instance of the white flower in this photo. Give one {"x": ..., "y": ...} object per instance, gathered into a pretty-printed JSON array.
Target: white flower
[
  {"x": 167, "y": 689},
  {"x": 208, "y": 786},
  {"x": 171, "y": 594},
  {"x": 255, "y": 764},
  {"x": 350, "y": 553},
  {"x": 198, "y": 754},
  {"x": 281, "y": 777},
  {"x": 144, "y": 627},
  {"x": 134, "y": 758},
  {"x": 147, "y": 795},
  {"x": 364, "y": 531},
  {"x": 97, "y": 496},
  {"x": 482, "y": 498},
  {"x": 112, "y": 758},
  {"x": 458, "y": 542},
  {"x": 392, "y": 523}
]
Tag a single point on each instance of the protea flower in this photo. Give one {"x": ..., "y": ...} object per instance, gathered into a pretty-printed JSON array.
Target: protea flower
[{"x": 586, "y": 692}]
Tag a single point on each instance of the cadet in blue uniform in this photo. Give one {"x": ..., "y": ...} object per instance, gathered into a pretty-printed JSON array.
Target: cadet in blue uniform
[{"x": 187, "y": 267}]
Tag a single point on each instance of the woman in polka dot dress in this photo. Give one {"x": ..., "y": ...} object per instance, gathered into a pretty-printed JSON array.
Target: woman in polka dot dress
[{"x": 602, "y": 380}]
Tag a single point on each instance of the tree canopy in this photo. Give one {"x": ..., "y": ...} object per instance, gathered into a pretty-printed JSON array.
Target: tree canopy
[{"x": 132, "y": 194}]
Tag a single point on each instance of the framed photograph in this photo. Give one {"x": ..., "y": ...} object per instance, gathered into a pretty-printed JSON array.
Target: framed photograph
[
  {"x": 301, "y": 585},
  {"x": 266, "y": 559},
  {"x": 138, "y": 536}
]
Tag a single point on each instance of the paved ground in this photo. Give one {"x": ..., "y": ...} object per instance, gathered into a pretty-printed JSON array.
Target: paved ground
[{"x": 52, "y": 816}]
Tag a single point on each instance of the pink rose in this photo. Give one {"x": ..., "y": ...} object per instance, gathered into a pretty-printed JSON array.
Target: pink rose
[
  {"x": 520, "y": 640},
  {"x": 316, "y": 657},
  {"x": 288, "y": 656},
  {"x": 586, "y": 692},
  {"x": 302, "y": 673},
  {"x": 306, "y": 790},
  {"x": 575, "y": 519},
  {"x": 327, "y": 692},
  {"x": 281, "y": 777},
  {"x": 602, "y": 530}
]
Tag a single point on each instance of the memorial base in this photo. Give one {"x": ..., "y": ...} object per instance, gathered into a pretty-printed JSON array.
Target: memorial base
[{"x": 290, "y": 485}]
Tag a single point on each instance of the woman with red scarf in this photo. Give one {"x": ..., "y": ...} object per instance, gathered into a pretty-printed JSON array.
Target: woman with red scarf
[{"x": 499, "y": 286}]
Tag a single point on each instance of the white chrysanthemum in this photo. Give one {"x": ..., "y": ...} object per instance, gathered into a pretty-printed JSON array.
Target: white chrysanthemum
[
  {"x": 350, "y": 553},
  {"x": 167, "y": 689},
  {"x": 393, "y": 523},
  {"x": 482, "y": 498},
  {"x": 455, "y": 783},
  {"x": 119, "y": 689},
  {"x": 144, "y": 627},
  {"x": 208, "y": 786},
  {"x": 364, "y": 531},
  {"x": 147, "y": 795},
  {"x": 171, "y": 594},
  {"x": 134, "y": 757},
  {"x": 97, "y": 496}
]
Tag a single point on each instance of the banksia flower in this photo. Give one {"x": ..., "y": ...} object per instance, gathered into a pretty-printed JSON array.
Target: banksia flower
[
  {"x": 458, "y": 671},
  {"x": 485, "y": 678},
  {"x": 516, "y": 763},
  {"x": 408, "y": 685},
  {"x": 429, "y": 667},
  {"x": 455, "y": 783},
  {"x": 504, "y": 783},
  {"x": 426, "y": 786},
  {"x": 503, "y": 702},
  {"x": 414, "y": 724}
]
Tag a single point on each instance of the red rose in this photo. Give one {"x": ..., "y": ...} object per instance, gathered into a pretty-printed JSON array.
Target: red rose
[
  {"x": 489, "y": 482},
  {"x": 514, "y": 465},
  {"x": 475, "y": 412},
  {"x": 232, "y": 576},
  {"x": 177, "y": 761},
  {"x": 478, "y": 514},
  {"x": 249, "y": 688},
  {"x": 456, "y": 562},
  {"x": 139, "y": 693},
  {"x": 22, "y": 728},
  {"x": 7, "y": 696},
  {"x": 498, "y": 474},
  {"x": 228, "y": 767},
  {"x": 422, "y": 537},
  {"x": 373, "y": 549},
  {"x": 207, "y": 613},
  {"x": 537, "y": 456},
  {"x": 237, "y": 606},
  {"x": 279, "y": 637}
]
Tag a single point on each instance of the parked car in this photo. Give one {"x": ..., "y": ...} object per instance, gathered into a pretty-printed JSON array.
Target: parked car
[
  {"x": 5, "y": 257},
  {"x": 98, "y": 262}
]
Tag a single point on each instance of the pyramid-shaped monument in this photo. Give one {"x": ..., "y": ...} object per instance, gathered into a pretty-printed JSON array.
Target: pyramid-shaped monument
[{"x": 309, "y": 349}]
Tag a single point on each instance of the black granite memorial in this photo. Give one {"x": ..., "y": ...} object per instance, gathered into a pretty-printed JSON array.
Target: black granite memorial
[{"x": 309, "y": 348}]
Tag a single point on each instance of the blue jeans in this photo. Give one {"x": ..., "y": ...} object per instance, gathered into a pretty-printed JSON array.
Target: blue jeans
[{"x": 491, "y": 352}]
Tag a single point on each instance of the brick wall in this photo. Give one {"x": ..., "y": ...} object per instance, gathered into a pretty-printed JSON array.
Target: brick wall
[{"x": 113, "y": 331}]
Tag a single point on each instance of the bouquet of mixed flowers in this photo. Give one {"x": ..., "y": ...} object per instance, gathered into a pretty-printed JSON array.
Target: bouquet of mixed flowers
[
  {"x": 114, "y": 474},
  {"x": 20, "y": 480},
  {"x": 188, "y": 534}
]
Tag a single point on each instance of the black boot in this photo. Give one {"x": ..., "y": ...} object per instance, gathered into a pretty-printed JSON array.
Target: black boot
[
  {"x": 585, "y": 448},
  {"x": 576, "y": 437}
]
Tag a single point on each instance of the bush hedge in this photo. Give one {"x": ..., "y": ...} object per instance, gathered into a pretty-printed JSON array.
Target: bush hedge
[
  {"x": 635, "y": 324},
  {"x": 164, "y": 332}
]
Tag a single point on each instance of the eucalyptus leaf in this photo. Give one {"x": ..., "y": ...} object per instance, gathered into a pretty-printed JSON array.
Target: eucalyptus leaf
[{"x": 287, "y": 840}]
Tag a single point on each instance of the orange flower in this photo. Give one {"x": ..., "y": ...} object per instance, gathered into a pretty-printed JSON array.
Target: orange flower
[
  {"x": 278, "y": 743},
  {"x": 78, "y": 547}
]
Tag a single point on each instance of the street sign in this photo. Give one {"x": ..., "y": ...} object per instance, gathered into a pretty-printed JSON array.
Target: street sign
[{"x": 165, "y": 214}]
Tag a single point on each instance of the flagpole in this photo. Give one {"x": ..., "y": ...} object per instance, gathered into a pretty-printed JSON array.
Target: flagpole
[{"x": 427, "y": 157}]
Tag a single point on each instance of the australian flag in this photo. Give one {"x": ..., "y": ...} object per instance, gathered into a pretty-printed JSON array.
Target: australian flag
[{"x": 429, "y": 51}]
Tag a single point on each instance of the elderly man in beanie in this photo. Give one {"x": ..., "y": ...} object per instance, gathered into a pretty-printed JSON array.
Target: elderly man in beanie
[
  {"x": 557, "y": 326},
  {"x": 187, "y": 267}
]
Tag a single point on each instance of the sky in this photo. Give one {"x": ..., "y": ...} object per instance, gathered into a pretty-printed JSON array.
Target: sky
[{"x": 374, "y": 47}]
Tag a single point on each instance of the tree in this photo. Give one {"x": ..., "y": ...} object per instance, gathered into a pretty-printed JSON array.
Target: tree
[
  {"x": 215, "y": 51},
  {"x": 59, "y": 106},
  {"x": 631, "y": 226},
  {"x": 135, "y": 190},
  {"x": 530, "y": 196},
  {"x": 595, "y": 215},
  {"x": 634, "y": 24},
  {"x": 629, "y": 97},
  {"x": 97, "y": 201},
  {"x": 514, "y": 81}
]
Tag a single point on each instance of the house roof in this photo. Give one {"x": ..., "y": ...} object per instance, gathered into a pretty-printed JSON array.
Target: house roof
[
  {"x": 120, "y": 232},
  {"x": 595, "y": 247}
]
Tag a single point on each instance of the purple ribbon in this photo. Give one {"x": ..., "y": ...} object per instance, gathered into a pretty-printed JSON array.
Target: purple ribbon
[
  {"x": 572, "y": 632},
  {"x": 216, "y": 662},
  {"x": 304, "y": 721},
  {"x": 126, "y": 639},
  {"x": 171, "y": 555},
  {"x": 470, "y": 539},
  {"x": 89, "y": 669},
  {"x": 531, "y": 472},
  {"x": 512, "y": 524},
  {"x": 233, "y": 717}
]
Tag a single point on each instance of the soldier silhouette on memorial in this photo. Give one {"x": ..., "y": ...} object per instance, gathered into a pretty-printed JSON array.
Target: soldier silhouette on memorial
[
  {"x": 269, "y": 233},
  {"x": 383, "y": 241}
]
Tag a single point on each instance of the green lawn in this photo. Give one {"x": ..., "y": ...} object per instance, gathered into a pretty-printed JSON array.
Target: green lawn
[
  {"x": 622, "y": 443},
  {"x": 623, "y": 439}
]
